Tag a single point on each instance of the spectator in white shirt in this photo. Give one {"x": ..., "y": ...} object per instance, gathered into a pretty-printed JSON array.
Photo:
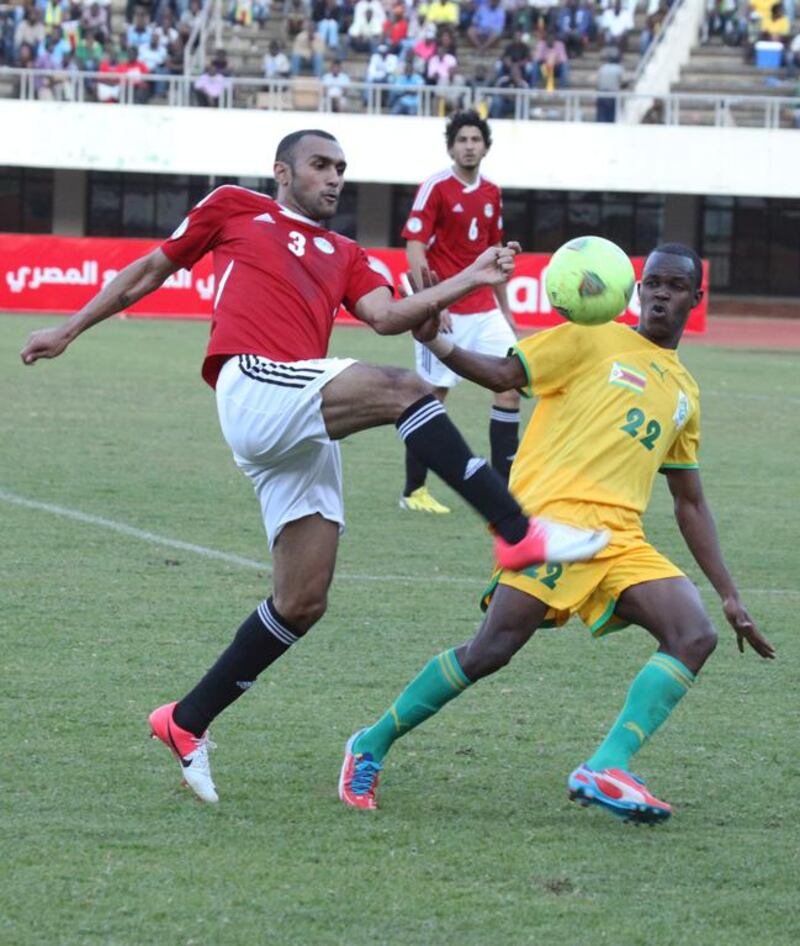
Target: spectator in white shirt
[
  {"x": 154, "y": 56},
  {"x": 276, "y": 62},
  {"x": 380, "y": 70},
  {"x": 366, "y": 29},
  {"x": 335, "y": 84},
  {"x": 139, "y": 31},
  {"x": 615, "y": 24}
]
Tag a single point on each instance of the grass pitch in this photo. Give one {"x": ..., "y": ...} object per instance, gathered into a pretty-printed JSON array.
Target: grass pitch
[{"x": 476, "y": 843}]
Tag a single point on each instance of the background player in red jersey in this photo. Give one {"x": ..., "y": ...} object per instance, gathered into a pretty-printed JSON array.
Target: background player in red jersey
[
  {"x": 280, "y": 280},
  {"x": 456, "y": 215}
]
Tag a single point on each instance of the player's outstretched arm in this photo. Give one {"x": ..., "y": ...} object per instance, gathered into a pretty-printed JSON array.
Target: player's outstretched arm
[
  {"x": 699, "y": 531},
  {"x": 389, "y": 316},
  {"x": 128, "y": 286}
]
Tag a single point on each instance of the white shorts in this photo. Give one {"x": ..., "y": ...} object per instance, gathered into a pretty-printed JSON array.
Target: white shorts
[
  {"x": 271, "y": 416},
  {"x": 486, "y": 332}
]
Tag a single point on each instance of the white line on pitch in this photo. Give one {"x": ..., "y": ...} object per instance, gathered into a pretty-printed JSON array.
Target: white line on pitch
[{"x": 154, "y": 539}]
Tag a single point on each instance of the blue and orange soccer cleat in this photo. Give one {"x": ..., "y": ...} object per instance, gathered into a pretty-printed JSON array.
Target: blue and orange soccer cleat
[
  {"x": 619, "y": 792},
  {"x": 359, "y": 777},
  {"x": 188, "y": 749}
]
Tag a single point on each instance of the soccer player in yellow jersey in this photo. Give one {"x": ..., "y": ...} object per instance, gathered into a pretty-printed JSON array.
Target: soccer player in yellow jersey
[{"x": 616, "y": 406}]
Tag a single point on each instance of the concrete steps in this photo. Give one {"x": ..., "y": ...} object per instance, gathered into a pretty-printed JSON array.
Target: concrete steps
[{"x": 716, "y": 69}]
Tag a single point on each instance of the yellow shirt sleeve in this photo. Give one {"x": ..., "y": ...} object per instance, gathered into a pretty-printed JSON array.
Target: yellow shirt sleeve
[
  {"x": 683, "y": 454},
  {"x": 552, "y": 358}
]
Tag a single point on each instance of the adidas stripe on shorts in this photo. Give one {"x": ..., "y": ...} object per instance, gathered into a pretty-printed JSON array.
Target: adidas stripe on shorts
[{"x": 271, "y": 416}]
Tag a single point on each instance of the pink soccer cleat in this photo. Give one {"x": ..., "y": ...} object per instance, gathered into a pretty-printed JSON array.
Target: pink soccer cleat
[
  {"x": 191, "y": 751},
  {"x": 358, "y": 778},
  {"x": 547, "y": 541}
]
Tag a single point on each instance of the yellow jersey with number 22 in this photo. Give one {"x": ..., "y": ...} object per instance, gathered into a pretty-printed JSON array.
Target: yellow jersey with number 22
[{"x": 614, "y": 408}]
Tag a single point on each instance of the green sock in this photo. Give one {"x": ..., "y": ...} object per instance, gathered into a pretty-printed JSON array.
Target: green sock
[
  {"x": 655, "y": 692},
  {"x": 440, "y": 680}
]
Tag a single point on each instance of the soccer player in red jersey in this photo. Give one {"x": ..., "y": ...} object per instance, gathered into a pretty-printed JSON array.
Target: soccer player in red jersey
[
  {"x": 457, "y": 214},
  {"x": 280, "y": 279}
]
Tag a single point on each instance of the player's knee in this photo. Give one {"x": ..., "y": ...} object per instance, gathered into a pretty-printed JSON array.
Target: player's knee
[
  {"x": 302, "y": 609},
  {"x": 703, "y": 639},
  {"x": 408, "y": 387},
  {"x": 484, "y": 657},
  {"x": 508, "y": 400},
  {"x": 697, "y": 642}
]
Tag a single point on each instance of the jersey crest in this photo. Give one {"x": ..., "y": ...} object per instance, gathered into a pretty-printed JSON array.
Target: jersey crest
[{"x": 682, "y": 408}]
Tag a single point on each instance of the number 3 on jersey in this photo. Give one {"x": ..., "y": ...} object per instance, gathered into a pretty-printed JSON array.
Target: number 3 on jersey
[{"x": 297, "y": 243}]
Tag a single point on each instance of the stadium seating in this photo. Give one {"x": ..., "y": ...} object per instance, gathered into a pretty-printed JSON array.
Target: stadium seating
[{"x": 717, "y": 69}]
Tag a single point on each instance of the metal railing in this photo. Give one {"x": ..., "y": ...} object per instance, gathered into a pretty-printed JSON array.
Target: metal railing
[
  {"x": 307, "y": 94},
  {"x": 209, "y": 19},
  {"x": 657, "y": 40}
]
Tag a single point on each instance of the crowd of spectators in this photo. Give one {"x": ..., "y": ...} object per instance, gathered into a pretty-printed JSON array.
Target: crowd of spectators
[
  {"x": 69, "y": 36},
  {"x": 410, "y": 45},
  {"x": 519, "y": 44}
]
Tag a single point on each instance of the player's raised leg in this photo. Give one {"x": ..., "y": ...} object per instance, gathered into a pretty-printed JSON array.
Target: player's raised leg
[
  {"x": 510, "y": 622},
  {"x": 364, "y": 396},
  {"x": 672, "y": 611},
  {"x": 304, "y": 555}
]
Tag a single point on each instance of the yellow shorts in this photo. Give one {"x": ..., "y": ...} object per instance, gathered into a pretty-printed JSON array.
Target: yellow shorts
[{"x": 589, "y": 589}]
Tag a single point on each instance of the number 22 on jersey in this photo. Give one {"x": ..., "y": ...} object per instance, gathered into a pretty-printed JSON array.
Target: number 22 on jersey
[{"x": 633, "y": 422}]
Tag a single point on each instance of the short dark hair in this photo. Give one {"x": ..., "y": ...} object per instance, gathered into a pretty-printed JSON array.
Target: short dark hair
[
  {"x": 680, "y": 249},
  {"x": 461, "y": 120},
  {"x": 285, "y": 149}
]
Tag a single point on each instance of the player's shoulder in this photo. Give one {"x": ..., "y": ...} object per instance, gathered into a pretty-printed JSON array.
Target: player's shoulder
[
  {"x": 488, "y": 186},
  {"x": 688, "y": 381},
  {"x": 436, "y": 181},
  {"x": 235, "y": 197}
]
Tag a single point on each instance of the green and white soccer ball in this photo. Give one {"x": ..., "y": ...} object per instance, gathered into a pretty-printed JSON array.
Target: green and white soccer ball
[{"x": 589, "y": 280}]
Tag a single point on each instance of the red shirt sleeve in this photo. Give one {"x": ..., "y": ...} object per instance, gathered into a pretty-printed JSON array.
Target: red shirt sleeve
[
  {"x": 361, "y": 280},
  {"x": 199, "y": 232},
  {"x": 421, "y": 221},
  {"x": 496, "y": 228}
]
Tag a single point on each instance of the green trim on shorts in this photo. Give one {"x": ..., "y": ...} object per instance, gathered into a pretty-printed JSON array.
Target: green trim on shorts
[
  {"x": 489, "y": 590},
  {"x": 527, "y": 391},
  {"x": 678, "y": 466},
  {"x": 607, "y": 623}
]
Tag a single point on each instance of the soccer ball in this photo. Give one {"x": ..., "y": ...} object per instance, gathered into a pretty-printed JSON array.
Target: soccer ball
[{"x": 589, "y": 280}]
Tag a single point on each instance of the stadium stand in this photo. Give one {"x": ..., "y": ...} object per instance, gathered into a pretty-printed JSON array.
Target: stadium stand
[
  {"x": 572, "y": 62},
  {"x": 721, "y": 69}
]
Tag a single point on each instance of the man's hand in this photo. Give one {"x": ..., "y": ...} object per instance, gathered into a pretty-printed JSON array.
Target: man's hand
[
  {"x": 45, "y": 343},
  {"x": 432, "y": 326},
  {"x": 429, "y": 329},
  {"x": 745, "y": 628},
  {"x": 495, "y": 266}
]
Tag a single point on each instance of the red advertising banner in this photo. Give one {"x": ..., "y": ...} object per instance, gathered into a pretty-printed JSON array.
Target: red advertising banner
[{"x": 60, "y": 274}]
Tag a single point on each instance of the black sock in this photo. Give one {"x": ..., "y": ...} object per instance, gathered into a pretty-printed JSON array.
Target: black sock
[
  {"x": 433, "y": 438},
  {"x": 416, "y": 471},
  {"x": 504, "y": 438},
  {"x": 261, "y": 639}
]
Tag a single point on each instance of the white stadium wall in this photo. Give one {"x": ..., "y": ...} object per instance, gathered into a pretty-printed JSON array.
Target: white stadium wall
[{"x": 540, "y": 155}]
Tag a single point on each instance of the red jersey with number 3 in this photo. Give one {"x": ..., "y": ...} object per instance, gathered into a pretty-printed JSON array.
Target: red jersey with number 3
[
  {"x": 457, "y": 222},
  {"x": 279, "y": 278}
]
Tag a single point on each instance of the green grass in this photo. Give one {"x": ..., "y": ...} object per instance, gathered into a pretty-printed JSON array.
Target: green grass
[{"x": 475, "y": 843}]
